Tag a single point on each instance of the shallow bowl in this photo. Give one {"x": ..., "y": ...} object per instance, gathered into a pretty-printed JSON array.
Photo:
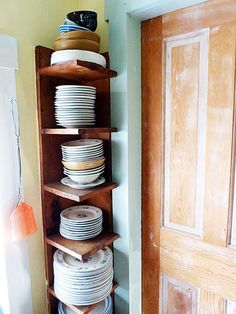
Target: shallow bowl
[{"x": 85, "y": 179}]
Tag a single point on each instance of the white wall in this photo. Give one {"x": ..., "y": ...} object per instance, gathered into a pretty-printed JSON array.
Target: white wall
[{"x": 15, "y": 287}]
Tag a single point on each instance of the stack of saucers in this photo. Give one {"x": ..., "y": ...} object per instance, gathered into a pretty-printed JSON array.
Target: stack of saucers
[
  {"x": 83, "y": 283},
  {"x": 81, "y": 222},
  {"x": 78, "y": 156},
  {"x": 74, "y": 105},
  {"x": 105, "y": 307}
]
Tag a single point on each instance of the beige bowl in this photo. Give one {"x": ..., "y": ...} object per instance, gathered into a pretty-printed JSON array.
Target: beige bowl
[
  {"x": 83, "y": 165},
  {"x": 80, "y": 35},
  {"x": 78, "y": 44}
]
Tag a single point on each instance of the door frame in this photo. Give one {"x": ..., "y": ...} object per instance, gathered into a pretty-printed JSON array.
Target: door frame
[{"x": 125, "y": 57}]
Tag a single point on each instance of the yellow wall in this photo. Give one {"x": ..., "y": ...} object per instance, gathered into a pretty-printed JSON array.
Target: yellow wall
[
  {"x": 34, "y": 23},
  {"x": 98, "y": 6}
]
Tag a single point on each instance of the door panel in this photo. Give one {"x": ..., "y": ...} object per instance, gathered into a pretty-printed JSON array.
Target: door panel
[
  {"x": 185, "y": 130},
  {"x": 188, "y": 129}
]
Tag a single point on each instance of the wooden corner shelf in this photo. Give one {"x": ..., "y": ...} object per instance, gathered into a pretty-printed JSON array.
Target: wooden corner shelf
[
  {"x": 82, "y": 249},
  {"x": 77, "y": 195},
  {"x": 81, "y": 309},
  {"x": 77, "y": 71},
  {"x": 77, "y": 131},
  {"x": 55, "y": 195}
]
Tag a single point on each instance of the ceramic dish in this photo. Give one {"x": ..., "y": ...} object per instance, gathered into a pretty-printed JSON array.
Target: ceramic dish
[
  {"x": 81, "y": 55},
  {"x": 83, "y": 165},
  {"x": 68, "y": 182},
  {"x": 80, "y": 34}
]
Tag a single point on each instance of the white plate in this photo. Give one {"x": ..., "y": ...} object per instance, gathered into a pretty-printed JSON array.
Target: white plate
[
  {"x": 80, "y": 238},
  {"x": 96, "y": 261},
  {"x": 73, "y": 54},
  {"x": 66, "y": 87},
  {"x": 68, "y": 182},
  {"x": 82, "y": 150},
  {"x": 76, "y": 301},
  {"x": 80, "y": 224},
  {"x": 75, "y": 125},
  {"x": 84, "y": 102},
  {"x": 81, "y": 213},
  {"x": 82, "y": 144}
]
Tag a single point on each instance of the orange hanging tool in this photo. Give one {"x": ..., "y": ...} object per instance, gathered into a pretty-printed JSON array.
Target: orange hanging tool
[{"x": 22, "y": 219}]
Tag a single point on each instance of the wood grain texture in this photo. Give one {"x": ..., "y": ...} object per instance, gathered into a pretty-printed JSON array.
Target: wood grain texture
[
  {"x": 210, "y": 303},
  {"x": 210, "y": 13},
  {"x": 185, "y": 129},
  {"x": 219, "y": 133},
  {"x": 152, "y": 132},
  {"x": 202, "y": 265},
  {"x": 78, "y": 71},
  {"x": 177, "y": 297},
  {"x": 183, "y": 134},
  {"x": 205, "y": 263},
  {"x": 62, "y": 190},
  {"x": 79, "y": 131},
  {"x": 82, "y": 249}
]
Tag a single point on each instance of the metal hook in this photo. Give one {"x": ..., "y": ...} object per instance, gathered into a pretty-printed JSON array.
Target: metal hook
[{"x": 17, "y": 134}]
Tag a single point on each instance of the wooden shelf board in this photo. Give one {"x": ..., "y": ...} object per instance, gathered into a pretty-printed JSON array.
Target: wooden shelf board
[
  {"x": 77, "y": 195},
  {"x": 78, "y": 71},
  {"x": 82, "y": 249},
  {"x": 77, "y": 131},
  {"x": 81, "y": 309}
]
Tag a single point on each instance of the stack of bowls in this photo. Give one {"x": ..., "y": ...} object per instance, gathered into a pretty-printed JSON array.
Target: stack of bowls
[
  {"x": 105, "y": 307},
  {"x": 83, "y": 282},
  {"x": 77, "y": 40},
  {"x": 83, "y": 160}
]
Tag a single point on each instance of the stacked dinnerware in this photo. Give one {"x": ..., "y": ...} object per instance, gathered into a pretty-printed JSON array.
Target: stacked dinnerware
[
  {"x": 105, "y": 307},
  {"x": 83, "y": 152},
  {"x": 83, "y": 283},
  {"x": 78, "y": 39},
  {"x": 74, "y": 105},
  {"x": 64, "y": 28},
  {"x": 81, "y": 222}
]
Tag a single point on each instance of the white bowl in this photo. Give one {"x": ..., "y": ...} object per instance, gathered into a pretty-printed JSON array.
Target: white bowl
[
  {"x": 85, "y": 179},
  {"x": 81, "y": 55}
]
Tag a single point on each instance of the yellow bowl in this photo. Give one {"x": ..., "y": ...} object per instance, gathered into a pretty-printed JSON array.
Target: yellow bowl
[
  {"x": 80, "y": 35},
  {"x": 83, "y": 165},
  {"x": 79, "y": 44}
]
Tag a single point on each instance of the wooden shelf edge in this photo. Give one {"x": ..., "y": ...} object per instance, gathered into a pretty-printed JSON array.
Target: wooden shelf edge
[
  {"x": 77, "y": 131},
  {"x": 81, "y": 309},
  {"x": 82, "y": 249},
  {"x": 77, "y": 195},
  {"x": 78, "y": 70}
]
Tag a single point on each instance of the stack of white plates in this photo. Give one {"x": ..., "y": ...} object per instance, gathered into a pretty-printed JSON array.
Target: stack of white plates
[
  {"x": 81, "y": 222},
  {"x": 105, "y": 307},
  {"x": 83, "y": 150},
  {"x": 74, "y": 105},
  {"x": 62, "y": 56},
  {"x": 83, "y": 283}
]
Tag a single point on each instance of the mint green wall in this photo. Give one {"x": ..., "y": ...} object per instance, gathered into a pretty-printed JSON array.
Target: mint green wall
[{"x": 124, "y": 42}]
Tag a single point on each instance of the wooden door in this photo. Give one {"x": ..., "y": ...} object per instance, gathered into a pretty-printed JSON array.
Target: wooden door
[{"x": 188, "y": 161}]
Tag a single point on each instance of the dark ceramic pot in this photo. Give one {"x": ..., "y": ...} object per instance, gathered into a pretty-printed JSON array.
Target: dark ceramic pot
[{"x": 86, "y": 19}]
